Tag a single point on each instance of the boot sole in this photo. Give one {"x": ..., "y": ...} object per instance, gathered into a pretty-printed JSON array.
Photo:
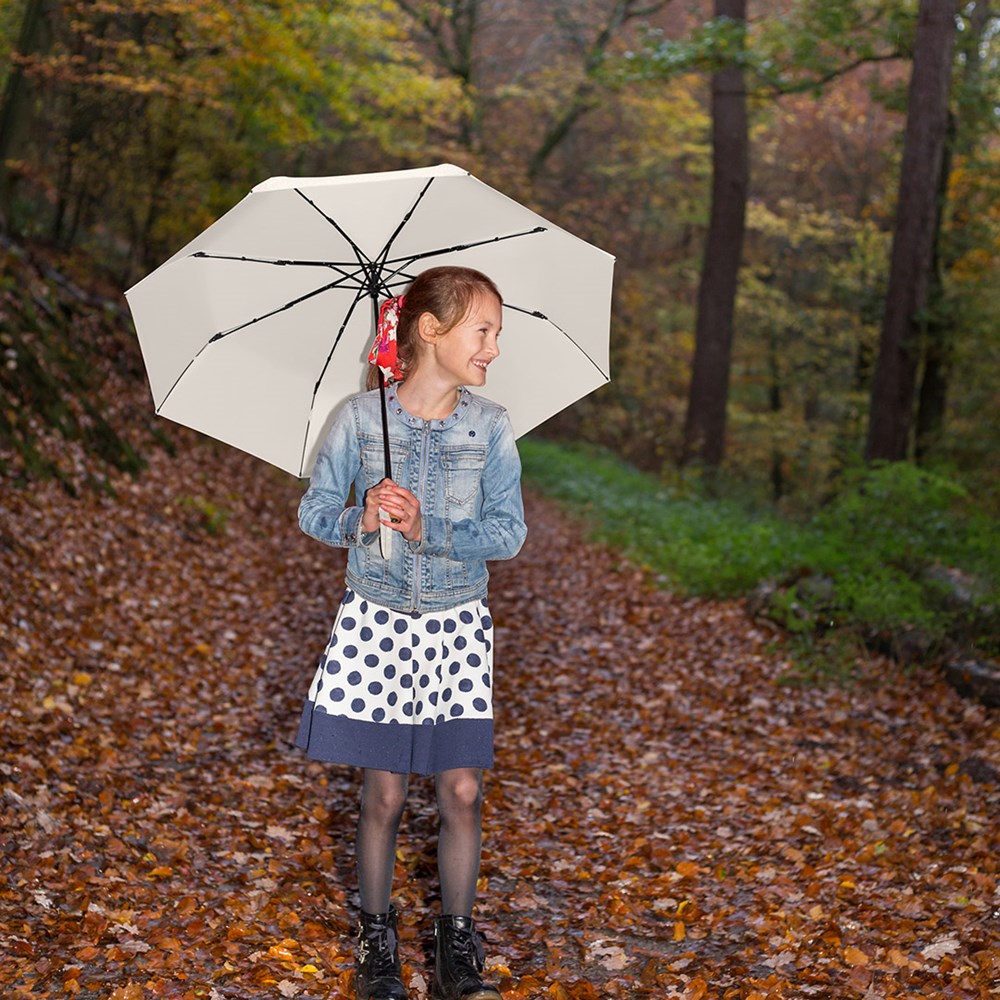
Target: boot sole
[{"x": 478, "y": 995}]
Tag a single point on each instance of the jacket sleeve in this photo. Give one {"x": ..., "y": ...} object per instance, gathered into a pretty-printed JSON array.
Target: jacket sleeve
[
  {"x": 323, "y": 510},
  {"x": 500, "y": 531}
]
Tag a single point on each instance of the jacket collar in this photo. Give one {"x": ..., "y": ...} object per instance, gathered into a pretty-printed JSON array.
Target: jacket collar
[{"x": 402, "y": 415}]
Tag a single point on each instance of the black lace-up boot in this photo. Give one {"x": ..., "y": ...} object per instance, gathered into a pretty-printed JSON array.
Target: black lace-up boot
[
  {"x": 377, "y": 975},
  {"x": 458, "y": 960}
]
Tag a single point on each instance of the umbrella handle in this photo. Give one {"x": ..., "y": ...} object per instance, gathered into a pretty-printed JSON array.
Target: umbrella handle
[{"x": 385, "y": 425}]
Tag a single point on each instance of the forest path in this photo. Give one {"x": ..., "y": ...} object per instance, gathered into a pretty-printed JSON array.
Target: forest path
[{"x": 665, "y": 818}]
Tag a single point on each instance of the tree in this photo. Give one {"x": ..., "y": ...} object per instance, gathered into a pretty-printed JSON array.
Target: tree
[
  {"x": 708, "y": 393},
  {"x": 893, "y": 388},
  {"x": 973, "y": 114},
  {"x": 34, "y": 38}
]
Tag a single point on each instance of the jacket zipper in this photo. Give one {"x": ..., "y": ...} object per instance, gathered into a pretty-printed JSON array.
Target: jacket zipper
[{"x": 423, "y": 491}]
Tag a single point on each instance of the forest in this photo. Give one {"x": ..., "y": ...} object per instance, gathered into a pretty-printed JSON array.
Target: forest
[
  {"x": 776, "y": 527},
  {"x": 743, "y": 162}
]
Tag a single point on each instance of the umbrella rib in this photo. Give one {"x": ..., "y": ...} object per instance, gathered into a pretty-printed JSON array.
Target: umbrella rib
[
  {"x": 459, "y": 247},
  {"x": 540, "y": 315},
  {"x": 225, "y": 333},
  {"x": 278, "y": 261},
  {"x": 273, "y": 312},
  {"x": 322, "y": 374}
]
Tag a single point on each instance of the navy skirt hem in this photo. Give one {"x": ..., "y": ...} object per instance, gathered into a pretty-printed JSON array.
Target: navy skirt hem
[{"x": 403, "y": 749}]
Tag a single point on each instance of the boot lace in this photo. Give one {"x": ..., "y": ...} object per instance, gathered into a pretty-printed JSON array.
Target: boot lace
[
  {"x": 380, "y": 944},
  {"x": 468, "y": 948}
]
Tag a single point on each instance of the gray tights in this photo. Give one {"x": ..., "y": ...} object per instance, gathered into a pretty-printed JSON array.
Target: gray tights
[{"x": 383, "y": 798}]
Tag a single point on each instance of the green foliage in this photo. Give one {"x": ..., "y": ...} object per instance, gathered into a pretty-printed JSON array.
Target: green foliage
[
  {"x": 208, "y": 516},
  {"x": 899, "y": 552},
  {"x": 49, "y": 385},
  {"x": 692, "y": 543}
]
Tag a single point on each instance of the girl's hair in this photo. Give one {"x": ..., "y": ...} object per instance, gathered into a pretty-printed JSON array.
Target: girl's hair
[{"x": 447, "y": 293}]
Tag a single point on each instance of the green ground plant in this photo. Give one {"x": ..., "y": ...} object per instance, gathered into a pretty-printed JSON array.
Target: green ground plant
[{"x": 901, "y": 559}]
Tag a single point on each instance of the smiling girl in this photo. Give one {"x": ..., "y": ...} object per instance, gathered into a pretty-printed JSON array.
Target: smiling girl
[{"x": 405, "y": 685}]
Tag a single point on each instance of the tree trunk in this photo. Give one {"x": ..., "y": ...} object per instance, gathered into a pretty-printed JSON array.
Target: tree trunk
[
  {"x": 891, "y": 411},
  {"x": 708, "y": 393},
  {"x": 960, "y": 141},
  {"x": 15, "y": 105}
]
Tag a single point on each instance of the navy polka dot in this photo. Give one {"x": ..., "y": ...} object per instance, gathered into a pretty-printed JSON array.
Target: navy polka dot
[
  {"x": 383, "y": 659},
  {"x": 348, "y": 597}
]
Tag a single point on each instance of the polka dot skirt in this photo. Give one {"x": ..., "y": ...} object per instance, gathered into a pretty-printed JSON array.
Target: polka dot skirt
[{"x": 403, "y": 691}]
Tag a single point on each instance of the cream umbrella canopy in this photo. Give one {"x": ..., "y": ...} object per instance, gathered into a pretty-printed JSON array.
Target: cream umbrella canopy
[{"x": 260, "y": 327}]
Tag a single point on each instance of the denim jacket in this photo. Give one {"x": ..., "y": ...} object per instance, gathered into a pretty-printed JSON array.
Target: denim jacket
[{"x": 465, "y": 470}]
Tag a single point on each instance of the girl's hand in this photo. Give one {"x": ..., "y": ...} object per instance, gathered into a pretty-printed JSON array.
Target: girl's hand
[{"x": 397, "y": 503}]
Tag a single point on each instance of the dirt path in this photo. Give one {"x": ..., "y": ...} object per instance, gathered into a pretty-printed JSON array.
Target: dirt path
[{"x": 665, "y": 820}]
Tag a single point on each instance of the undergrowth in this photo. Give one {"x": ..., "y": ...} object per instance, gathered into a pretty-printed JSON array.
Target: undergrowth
[{"x": 901, "y": 560}]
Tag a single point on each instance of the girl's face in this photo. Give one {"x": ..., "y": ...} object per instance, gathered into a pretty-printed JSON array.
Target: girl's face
[{"x": 463, "y": 353}]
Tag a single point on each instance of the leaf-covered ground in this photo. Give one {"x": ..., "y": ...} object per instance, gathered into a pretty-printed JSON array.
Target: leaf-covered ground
[{"x": 665, "y": 819}]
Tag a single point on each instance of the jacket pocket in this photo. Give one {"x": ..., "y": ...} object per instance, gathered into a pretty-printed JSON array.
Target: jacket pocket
[
  {"x": 373, "y": 462},
  {"x": 463, "y": 473}
]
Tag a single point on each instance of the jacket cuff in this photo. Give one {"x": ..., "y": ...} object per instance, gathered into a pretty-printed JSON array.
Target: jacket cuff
[{"x": 435, "y": 537}]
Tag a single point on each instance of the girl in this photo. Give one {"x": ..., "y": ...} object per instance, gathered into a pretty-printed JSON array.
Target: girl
[{"x": 405, "y": 684}]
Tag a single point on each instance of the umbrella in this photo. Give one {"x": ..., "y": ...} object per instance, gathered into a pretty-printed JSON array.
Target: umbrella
[{"x": 256, "y": 330}]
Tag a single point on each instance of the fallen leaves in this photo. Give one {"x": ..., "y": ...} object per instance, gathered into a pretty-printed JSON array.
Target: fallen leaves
[{"x": 664, "y": 821}]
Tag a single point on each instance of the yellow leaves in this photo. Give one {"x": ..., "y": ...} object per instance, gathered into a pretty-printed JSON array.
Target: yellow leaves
[
  {"x": 855, "y": 956},
  {"x": 131, "y": 991},
  {"x": 284, "y": 950},
  {"x": 696, "y": 989}
]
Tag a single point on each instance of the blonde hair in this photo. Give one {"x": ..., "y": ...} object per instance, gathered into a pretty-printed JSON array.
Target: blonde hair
[{"x": 447, "y": 293}]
